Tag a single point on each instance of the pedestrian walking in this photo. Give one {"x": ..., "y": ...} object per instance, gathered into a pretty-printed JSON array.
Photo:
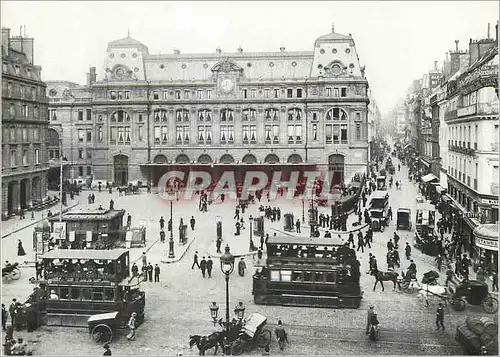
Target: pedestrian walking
[
  {"x": 371, "y": 311},
  {"x": 351, "y": 240},
  {"x": 157, "y": 273},
  {"x": 195, "y": 261},
  {"x": 439, "y": 261},
  {"x": 129, "y": 220},
  {"x": 144, "y": 272},
  {"x": 407, "y": 251},
  {"x": 261, "y": 243},
  {"x": 210, "y": 265},
  {"x": 367, "y": 240},
  {"x": 440, "y": 317},
  {"x": 396, "y": 240},
  {"x": 144, "y": 259},
  {"x": 135, "y": 270},
  {"x": 241, "y": 267},
  {"x": 162, "y": 236},
  {"x": 465, "y": 266},
  {"x": 390, "y": 245},
  {"x": 162, "y": 223},
  {"x": 281, "y": 335},
  {"x": 150, "y": 272},
  {"x": 237, "y": 214},
  {"x": 203, "y": 266},
  {"x": 389, "y": 212},
  {"x": 218, "y": 243},
  {"x": 5, "y": 316},
  {"x": 20, "y": 249},
  {"x": 297, "y": 226},
  {"x": 12, "y": 312},
  {"x": 449, "y": 275},
  {"x": 132, "y": 325},
  {"x": 192, "y": 221},
  {"x": 361, "y": 243}
]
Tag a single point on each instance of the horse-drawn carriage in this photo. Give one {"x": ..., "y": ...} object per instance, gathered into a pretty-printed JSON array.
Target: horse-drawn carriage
[
  {"x": 403, "y": 219},
  {"x": 11, "y": 272},
  {"x": 475, "y": 293}
]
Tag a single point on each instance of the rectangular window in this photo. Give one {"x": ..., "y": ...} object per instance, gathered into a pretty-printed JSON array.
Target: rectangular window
[
  {"x": 336, "y": 132},
  {"x": 328, "y": 133},
  {"x": 266, "y": 93},
  {"x": 156, "y": 95},
  {"x": 201, "y": 134},
  {"x": 253, "y": 134},
  {"x": 25, "y": 134},
  {"x": 208, "y": 135},
  {"x": 335, "y": 92},
  {"x": 299, "y": 92},
  {"x": 164, "y": 94},
  {"x": 209, "y": 94},
  {"x": 127, "y": 134},
  {"x": 88, "y": 114},
  {"x": 25, "y": 111},
  {"x": 113, "y": 134},
  {"x": 140, "y": 118},
  {"x": 52, "y": 114},
  {"x": 343, "y": 92},
  {"x": 89, "y": 153},
  {"x": 36, "y": 134},
  {"x": 315, "y": 132},
  {"x": 177, "y": 94},
  {"x": 81, "y": 135},
  {"x": 25, "y": 157},
  {"x": 291, "y": 133},
  {"x": 328, "y": 92},
  {"x": 164, "y": 134},
  {"x": 89, "y": 170},
  {"x": 358, "y": 116},
  {"x": 112, "y": 95},
  {"x": 80, "y": 173},
  {"x": 298, "y": 134},
  {"x": 268, "y": 134},
  {"x": 246, "y": 134},
  {"x": 199, "y": 94},
  {"x": 127, "y": 94},
  {"x": 276, "y": 93},
  {"x": 157, "y": 134},
  {"x": 80, "y": 115},
  {"x": 186, "y": 93},
  {"x": 343, "y": 133},
  {"x": 120, "y": 95},
  {"x": 140, "y": 133},
  {"x": 37, "y": 157},
  {"x": 358, "y": 131},
  {"x": 80, "y": 153},
  {"x": 89, "y": 135},
  {"x": 245, "y": 93},
  {"x": 99, "y": 133},
  {"x": 121, "y": 132},
  {"x": 13, "y": 158},
  {"x": 289, "y": 93},
  {"x": 223, "y": 134},
  {"x": 276, "y": 134},
  {"x": 253, "y": 93}
]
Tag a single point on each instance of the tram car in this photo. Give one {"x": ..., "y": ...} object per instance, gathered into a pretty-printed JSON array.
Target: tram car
[
  {"x": 379, "y": 210},
  {"x": 81, "y": 283},
  {"x": 315, "y": 272}
]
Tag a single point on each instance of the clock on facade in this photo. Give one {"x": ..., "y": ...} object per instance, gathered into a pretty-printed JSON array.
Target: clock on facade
[{"x": 226, "y": 85}]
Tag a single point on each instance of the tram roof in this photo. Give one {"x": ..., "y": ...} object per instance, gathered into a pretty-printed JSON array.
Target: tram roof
[
  {"x": 84, "y": 254},
  {"x": 89, "y": 215},
  {"x": 379, "y": 194},
  {"x": 305, "y": 241}
]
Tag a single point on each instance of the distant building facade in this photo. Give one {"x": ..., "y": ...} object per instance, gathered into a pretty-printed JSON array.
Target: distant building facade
[
  {"x": 24, "y": 126},
  {"x": 151, "y": 113}
]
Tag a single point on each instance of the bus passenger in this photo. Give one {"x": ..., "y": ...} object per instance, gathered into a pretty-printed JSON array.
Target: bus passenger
[{"x": 53, "y": 295}]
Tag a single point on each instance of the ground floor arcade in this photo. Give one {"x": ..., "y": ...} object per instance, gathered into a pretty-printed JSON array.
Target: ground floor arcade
[{"x": 22, "y": 191}]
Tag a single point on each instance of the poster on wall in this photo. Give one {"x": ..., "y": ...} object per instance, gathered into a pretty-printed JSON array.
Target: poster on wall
[
  {"x": 89, "y": 236},
  {"x": 71, "y": 236},
  {"x": 59, "y": 231}
]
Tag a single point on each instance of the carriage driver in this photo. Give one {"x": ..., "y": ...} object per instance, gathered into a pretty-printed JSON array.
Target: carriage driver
[{"x": 412, "y": 270}]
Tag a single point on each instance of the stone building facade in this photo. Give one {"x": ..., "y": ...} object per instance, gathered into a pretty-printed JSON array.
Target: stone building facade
[
  {"x": 153, "y": 112},
  {"x": 24, "y": 126}
]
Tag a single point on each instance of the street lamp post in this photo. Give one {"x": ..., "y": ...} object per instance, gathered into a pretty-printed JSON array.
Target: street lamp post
[
  {"x": 171, "y": 240},
  {"x": 227, "y": 267},
  {"x": 251, "y": 249},
  {"x": 303, "y": 213}
]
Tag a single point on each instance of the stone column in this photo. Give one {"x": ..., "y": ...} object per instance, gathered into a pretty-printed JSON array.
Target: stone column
[
  {"x": 16, "y": 202},
  {"x": 29, "y": 196},
  {"x": 5, "y": 197}
]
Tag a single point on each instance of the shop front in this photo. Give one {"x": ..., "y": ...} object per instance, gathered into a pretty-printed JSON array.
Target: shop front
[{"x": 486, "y": 244}]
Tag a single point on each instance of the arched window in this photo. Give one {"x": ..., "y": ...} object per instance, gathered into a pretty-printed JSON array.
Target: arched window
[
  {"x": 204, "y": 115},
  {"x": 295, "y": 114},
  {"x": 249, "y": 114},
  {"x": 272, "y": 114},
  {"x": 160, "y": 115},
  {"x": 336, "y": 126},
  {"x": 120, "y": 116},
  {"x": 336, "y": 114}
]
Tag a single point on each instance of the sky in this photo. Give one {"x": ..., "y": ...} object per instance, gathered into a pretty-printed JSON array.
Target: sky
[{"x": 396, "y": 41}]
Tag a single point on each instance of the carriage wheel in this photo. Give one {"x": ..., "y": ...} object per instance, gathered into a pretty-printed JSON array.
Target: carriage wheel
[
  {"x": 102, "y": 333},
  {"x": 490, "y": 304},
  {"x": 237, "y": 348},
  {"x": 16, "y": 274},
  {"x": 458, "y": 304},
  {"x": 264, "y": 338}
]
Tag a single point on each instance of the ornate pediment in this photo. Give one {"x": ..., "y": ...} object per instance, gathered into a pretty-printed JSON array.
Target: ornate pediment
[
  {"x": 120, "y": 73},
  {"x": 335, "y": 69},
  {"x": 226, "y": 66}
]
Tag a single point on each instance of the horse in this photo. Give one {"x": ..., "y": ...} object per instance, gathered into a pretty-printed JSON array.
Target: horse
[
  {"x": 385, "y": 276},
  {"x": 204, "y": 343}
]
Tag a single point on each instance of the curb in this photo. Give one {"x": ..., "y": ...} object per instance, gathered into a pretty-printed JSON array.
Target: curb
[
  {"x": 175, "y": 260},
  {"x": 36, "y": 221},
  {"x": 147, "y": 250}
]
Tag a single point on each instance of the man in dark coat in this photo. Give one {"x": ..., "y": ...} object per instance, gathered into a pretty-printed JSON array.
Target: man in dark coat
[
  {"x": 218, "y": 243},
  {"x": 4, "y": 317},
  {"x": 261, "y": 243},
  {"x": 192, "y": 221},
  {"x": 361, "y": 243},
  {"x": 135, "y": 270},
  {"x": 157, "y": 273},
  {"x": 407, "y": 251},
  {"x": 281, "y": 335},
  {"x": 390, "y": 245},
  {"x": 297, "y": 226},
  {"x": 210, "y": 264},
  {"x": 465, "y": 266},
  {"x": 111, "y": 205},
  {"x": 144, "y": 272},
  {"x": 440, "y": 317},
  {"x": 351, "y": 240},
  {"x": 12, "y": 312},
  {"x": 195, "y": 261},
  {"x": 203, "y": 266},
  {"x": 162, "y": 223}
]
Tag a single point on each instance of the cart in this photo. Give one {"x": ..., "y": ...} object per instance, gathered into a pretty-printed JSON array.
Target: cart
[
  {"x": 251, "y": 334},
  {"x": 476, "y": 293},
  {"x": 11, "y": 272},
  {"x": 403, "y": 219},
  {"x": 102, "y": 327}
]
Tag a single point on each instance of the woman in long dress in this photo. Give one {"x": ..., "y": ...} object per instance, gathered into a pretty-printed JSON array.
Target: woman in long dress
[{"x": 20, "y": 249}]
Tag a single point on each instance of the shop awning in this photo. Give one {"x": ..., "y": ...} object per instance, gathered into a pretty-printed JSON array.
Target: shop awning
[
  {"x": 429, "y": 178},
  {"x": 440, "y": 189},
  {"x": 486, "y": 236},
  {"x": 408, "y": 145}
]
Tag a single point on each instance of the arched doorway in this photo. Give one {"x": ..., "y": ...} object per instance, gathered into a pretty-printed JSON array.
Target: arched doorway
[
  {"x": 120, "y": 166},
  {"x": 36, "y": 188},
  {"x": 204, "y": 159},
  {"x": 160, "y": 159},
  {"x": 249, "y": 159},
  {"x": 294, "y": 159},
  {"x": 11, "y": 197},
  {"x": 24, "y": 194},
  {"x": 272, "y": 159},
  {"x": 226, "y": 159},
  {"x": 182, "y": 159},
  {"x": 336, "y": 168}
]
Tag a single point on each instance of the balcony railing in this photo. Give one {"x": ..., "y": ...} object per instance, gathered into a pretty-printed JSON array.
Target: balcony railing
[
  {"x": 462, "y": 150},
  {"x": 487, "y": 108},
  {"x": 452, "y": 114},
  {"x": 470, "y": 110},
  {"x": 494, "y": 188}
]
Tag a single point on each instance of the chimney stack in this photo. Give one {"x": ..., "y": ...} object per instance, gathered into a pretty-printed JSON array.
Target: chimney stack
[
  {"x": 218, "y": 50},
  {"x": 176, "y": 51},
  {"x": 240, "y": 50},
  {"x": 456, "y": 45},
  {"x": 435, "y": 65},
  {"x": 488, "y": 30},
  {"x": 6, "y": 40},
  {"x": 333, "y": 27},
  {"x": 282, "y": 49}
]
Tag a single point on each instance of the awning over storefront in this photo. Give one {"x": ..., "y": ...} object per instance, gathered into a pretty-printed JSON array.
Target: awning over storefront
[
  {"x": 486, "y": 236},
  {"x": 408, "y": 145},
  {"x": 429, "y": 178},
  {"x": 440, "y": 189}
]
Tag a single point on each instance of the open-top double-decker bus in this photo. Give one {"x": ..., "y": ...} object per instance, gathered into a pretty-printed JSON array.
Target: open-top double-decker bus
[
  {"x": 317, "y": 272},
  {"x": 82, "y": 283}
]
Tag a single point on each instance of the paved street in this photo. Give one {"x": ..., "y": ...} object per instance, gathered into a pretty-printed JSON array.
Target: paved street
[{"x": 178, "y": 306}]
